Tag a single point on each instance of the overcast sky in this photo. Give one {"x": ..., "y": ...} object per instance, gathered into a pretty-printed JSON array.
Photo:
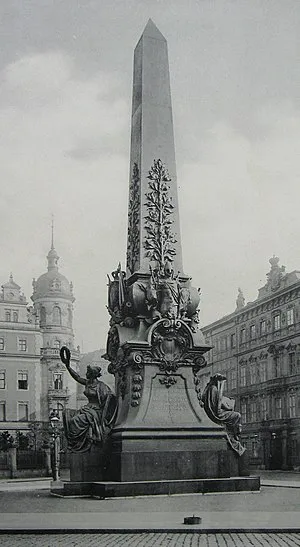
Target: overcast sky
[{"x": 65, "y": 101}]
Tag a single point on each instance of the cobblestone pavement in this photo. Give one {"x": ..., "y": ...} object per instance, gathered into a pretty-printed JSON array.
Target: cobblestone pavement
[{"x": 151, "y": 540}]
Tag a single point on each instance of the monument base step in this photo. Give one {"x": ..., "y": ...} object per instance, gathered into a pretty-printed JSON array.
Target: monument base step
[{"x": 109, "y": 489}]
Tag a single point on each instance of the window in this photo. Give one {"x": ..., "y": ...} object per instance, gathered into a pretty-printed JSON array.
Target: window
[
  {"x": 290, "y": 317},
  {"x": 2, "y": 411},
  {"x": 69, "y": 317},
  {"x": 58, "y": 380},
  {"x": 253, "y": 411},
  {"x": 15, "y": 316},
  {"x": 2, "y": 346},
  {"x": 23, "y": 412},
  {"x": 276, "y": 322},
  {"x": 56, "y": 315},
  {"x": 277, "y": 367},
  {"x": 56, "y": 344},
  {"x": 254, "y": 448},
  {"x": 43, "y": 315},
  {"x": 22, "y": 380},
  {"x": 252, "y": 332},
  {"x": 243, "y": 336},
  {"x": 233, "y": 378},
  {"x": 22, "y": 344},
  {"x": 232, "y": 340},
  {"x": 264, "y": 409},
  {"x": 2, "y": 379},
  {"x": 243, "y": 376},
  {"x": 292, "y": 363},
  {"x": 294, "y": 451},
  {"x": 55, "y": 285},
  {"x": 263, "y": 371},
  {"x": 262, "y": 327},
  {"x": 253, "y": 371},
  {"x": 278, "y": 408},
  {"x": 7, "y": 315},
  {"x": 59, "y": 409},
  {"x": 292, "y": 405},
  {"x": 244, "y": 412},
  {"x": 224, "y": 343}
]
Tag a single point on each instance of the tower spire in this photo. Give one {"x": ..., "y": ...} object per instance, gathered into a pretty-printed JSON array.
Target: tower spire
[
  {"x": 52, "y": 231},
  {"x": 52, "y": 256}
]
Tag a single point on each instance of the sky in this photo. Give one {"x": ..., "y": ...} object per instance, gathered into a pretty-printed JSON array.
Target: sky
[{"x": 65, "y": 109}]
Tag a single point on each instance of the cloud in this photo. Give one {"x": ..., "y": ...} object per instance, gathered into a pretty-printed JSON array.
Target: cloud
[
  {"x": 53, "y": 130},
  {"x": 239, "y": 202},
  {"x": 64, "y": 146}
]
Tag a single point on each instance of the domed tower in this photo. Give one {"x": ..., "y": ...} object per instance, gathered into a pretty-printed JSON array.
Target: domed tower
[{"x": 53, "y": 304}]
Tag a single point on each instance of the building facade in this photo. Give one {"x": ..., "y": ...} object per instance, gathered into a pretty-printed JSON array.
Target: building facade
[
  {"x": 20, "y": 368},
  {"x": 33, "y": 380},
  {"x": 257, "y": 347}
]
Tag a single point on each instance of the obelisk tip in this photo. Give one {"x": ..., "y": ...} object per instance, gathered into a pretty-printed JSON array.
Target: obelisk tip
[{"x": 151, "y": 31}]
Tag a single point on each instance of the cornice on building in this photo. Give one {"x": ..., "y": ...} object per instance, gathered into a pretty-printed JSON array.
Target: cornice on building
[{"x": 250, "y": 306}]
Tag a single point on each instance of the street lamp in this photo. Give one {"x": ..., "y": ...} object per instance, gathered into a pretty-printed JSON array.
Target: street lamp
[{"x": 56, "y": 427}]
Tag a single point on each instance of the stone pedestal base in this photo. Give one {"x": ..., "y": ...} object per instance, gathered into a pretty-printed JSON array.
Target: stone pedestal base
[
  {"x": 151, "y": 488},
  {"x": 57, "y": 487},
  {"x": 159, "y": 461},
  {"x": 152, "y": 454},
  {"x": 88, "y": 466}
]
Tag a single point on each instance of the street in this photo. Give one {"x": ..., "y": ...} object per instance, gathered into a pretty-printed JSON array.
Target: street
[
  {"x": 152, "y": 540},
  {"x": 30, "y": 515}
]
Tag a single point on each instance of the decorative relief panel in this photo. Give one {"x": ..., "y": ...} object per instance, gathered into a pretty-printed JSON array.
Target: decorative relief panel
[
  {"x": 133, "y": 237},
  {"x": 159, "y": 240}
]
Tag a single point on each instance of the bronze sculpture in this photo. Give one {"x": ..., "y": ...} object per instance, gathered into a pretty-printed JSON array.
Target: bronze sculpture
[
  {"x": 94, "y": 421},
  {"x": 220, "y": 409}
]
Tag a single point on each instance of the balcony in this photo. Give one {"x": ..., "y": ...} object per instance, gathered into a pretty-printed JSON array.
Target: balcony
[
  {"x": 54, "y": 394},
  {"x": 54, "y": 352}
]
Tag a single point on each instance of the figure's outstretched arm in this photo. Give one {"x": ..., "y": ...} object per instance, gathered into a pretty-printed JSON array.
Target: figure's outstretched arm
[{"x": 65, "y": 356}]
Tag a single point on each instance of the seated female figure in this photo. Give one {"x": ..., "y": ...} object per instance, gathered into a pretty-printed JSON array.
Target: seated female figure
[{"x": 94, "y": 421}]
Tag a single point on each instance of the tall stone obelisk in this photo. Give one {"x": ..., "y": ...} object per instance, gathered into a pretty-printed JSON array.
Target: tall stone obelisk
[
  {"x": 155, "y": 346},
  {"x": 152, "y": 139}
]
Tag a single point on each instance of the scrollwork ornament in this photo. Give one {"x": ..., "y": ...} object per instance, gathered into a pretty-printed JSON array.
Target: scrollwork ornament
[
  {"x": 170, "y": 343},
  {"x": 136, "y": 360}
]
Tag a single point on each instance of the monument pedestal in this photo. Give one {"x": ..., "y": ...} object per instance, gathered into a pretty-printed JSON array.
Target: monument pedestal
[
  {"x": 112, "y": 489},
  {"x": 169, "y": 454},
  {"x": 88, "y": 466}
]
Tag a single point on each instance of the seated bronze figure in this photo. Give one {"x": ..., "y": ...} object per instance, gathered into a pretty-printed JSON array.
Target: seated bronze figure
[
  {"x": 220, "y": 410},
  {"x": 94, "y": 421}
]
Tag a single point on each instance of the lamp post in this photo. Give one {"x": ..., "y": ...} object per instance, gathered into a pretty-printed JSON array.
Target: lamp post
[{"x": 56, "y": 426}]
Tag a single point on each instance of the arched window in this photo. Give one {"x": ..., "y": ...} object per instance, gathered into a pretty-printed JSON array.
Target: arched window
[
  {"x": 56, "y": 344},
  {"x": 15, "y": 316},
  {"x": 43, "y": 315},
  {"x": 59, "y": 408},
  {"x": 56, "y": 315},
  {"x": 69, "y": 317},
  {"x": 58, "y": 380},
  {"x": 7, "y": 315}
]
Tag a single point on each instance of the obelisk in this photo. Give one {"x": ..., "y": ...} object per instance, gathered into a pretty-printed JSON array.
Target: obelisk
[
  {"x": 152, "y": 139},
  {"x": 155, "y": 346}
]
